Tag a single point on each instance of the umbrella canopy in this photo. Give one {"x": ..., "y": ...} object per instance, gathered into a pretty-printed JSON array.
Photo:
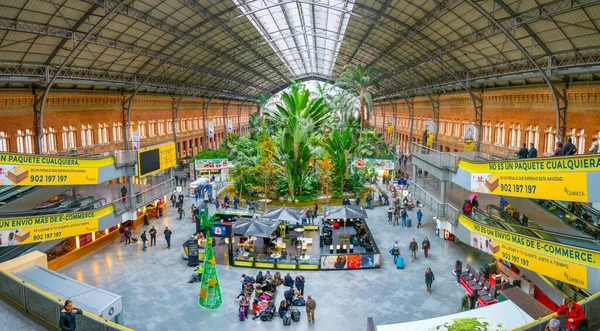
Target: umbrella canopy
[
  {"x": 284, "y": 214},
  {"x": 255, "y": 227},
  {"x": 345, "y": 212}
]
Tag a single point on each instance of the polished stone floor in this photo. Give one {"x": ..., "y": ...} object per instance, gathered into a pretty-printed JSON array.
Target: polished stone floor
[{"x": 156, "y": 295}]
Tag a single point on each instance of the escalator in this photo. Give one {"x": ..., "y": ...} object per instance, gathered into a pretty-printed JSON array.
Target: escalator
[
  {"x": 566, "y": 289},
  {"x": 587, "y": 213},
  {"x": 62, "y": 206},
  {"x": 21, "y": 198}
]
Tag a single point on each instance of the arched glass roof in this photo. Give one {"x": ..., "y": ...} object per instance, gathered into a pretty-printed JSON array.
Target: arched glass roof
[{"x": 239, "y": 48}]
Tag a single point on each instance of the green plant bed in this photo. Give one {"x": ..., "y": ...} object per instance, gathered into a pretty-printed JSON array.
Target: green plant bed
[{"x": 468, "y": 324}]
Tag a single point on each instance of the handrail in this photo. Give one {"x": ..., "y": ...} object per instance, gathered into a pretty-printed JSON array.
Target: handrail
[
  {"x": 59, "y": 301},
  {"x": 435, "y": 157},
  {"x": 144, "y": 197},
  {"x": 442, "y": 210}
]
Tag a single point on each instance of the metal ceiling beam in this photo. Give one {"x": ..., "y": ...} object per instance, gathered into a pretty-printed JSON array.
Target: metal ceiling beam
[
  {"x": 429, "y": 17},
  {"x": 175, "y": 104},
  {"x": 395, "y": 115},
  {"x": 226, "y": 118},
  {"x": 525, "y": 27},
  {"x": 289, "y": 24},
  {"x": 39, "y": 110},
  {"x": 370, "y": 29},
  {"x": 195, "y": 6},
  {"x": 410, "y": 106},
  {"x": 68, "y": 35},
  {"x": 560, "y": 99},
  {"x": 240, "y": 106},
  {"x": 205, "y": 106},
  {"x": 540, "y": 12}
]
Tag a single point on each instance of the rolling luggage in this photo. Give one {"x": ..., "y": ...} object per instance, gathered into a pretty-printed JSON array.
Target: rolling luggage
[
  {"x": 295, "y": 315},
  {"x": 133, "y": 239},
  {"x": 242, "y": 314},
  {"x": 299, "y": 302},
  {"x": 287, "y": 319},
  {"x": 408, "y": 222},
  {"x": 399, "y": 262}
]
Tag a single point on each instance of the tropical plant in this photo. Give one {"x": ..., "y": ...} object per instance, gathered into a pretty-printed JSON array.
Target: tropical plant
[
  {"x": 266, "y": 165},
  {"x": 362, "y": 82},
  {"x": 244, "y": 152},
  {"x": 372, "y": 145},
  {"x": 210, "y": 154},
  {"x": 340, "y": 147},
  {"x": 297, "y": 119},
  {"x": 326, "y": 168},
  {"x": 254, "y": 126}
]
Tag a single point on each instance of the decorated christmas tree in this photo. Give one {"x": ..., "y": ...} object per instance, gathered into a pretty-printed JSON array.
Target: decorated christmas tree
[{"x": 210, "y": 289}]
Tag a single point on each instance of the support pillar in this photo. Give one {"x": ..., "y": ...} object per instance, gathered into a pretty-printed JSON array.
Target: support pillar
[
  {"x": 226, "y": 118},
  {"x": 411, "y": 115},
  {"x": 442, "y": 191},
  {"x": 435, "y": 108},
  {"x": 126, "y": 112},
  {"x": 414, "y": 172},
  {"x": 239, "y": 117},
  {"x": 386, "y": 135},
  {"x": 395, "y": 114},
  {"x": 205, "y": 106},
  {"x": 37, "y": 121},
  {"x": 175, "y": 103}
]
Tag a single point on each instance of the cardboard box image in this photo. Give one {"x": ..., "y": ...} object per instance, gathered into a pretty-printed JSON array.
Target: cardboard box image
[
  {"x": 492, "y": 183},
  {"x": 21, "y": 236},
  {"x": 494, "y": 247},
  {"x": 17, "y": 174}
]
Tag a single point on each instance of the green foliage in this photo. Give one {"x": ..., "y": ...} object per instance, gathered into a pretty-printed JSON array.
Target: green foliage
[
  {"x": 211, "y": 154},
  {"x": 340, "y": 147},
  {"x": 373, "y": 145}
]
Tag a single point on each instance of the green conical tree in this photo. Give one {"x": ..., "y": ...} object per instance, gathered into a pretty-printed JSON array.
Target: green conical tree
[{"x": 210, "y": 288}]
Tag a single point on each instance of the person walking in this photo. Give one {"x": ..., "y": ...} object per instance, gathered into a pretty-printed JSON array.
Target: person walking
[
  {"x": 457, "y": 271},
  {"x": 173, "y": 200},
  {"x": 426, "y": 245},
  {"x": 152, "y": 233},
  {"x": 390, "y": 215},
  {"x": 311, "y": 305},
  {"x": 180, "y": 211},
  {"x": 217, "y": 203},
  {"x": 405, "y": 160},
  {"x": 532, "y": 154},
  {"x": 168, "y": 234},
  {"x": 404, "y": 215},
  {"x": 396, "y": 215},
  {"x": 300, "y": 283},
  {"x": 181, "y": 199},
  {"x": 429, "y": 278},
  {"x": 475, "y": 202},
  {"x": 123, "y": 194},
  {"x": 127, "y": 236},
  {"x": 594, "y": 147},
  {"x": 206, "y": 195},
  {"x": 413, "y": 248},
  {"x": 236, "y": 201},
  {"x": 465, "y": 303},
  {"x": 144, "y": 239},
  {"x": 467, "y": 208},
  {"x": 395, "y": 250},
  {"x": 573, "y": 314},
  {"x": 67, "y": 317},
  {"x": 315, "y": 211},
  {"x": 419, "y": 217},
  {"x": 569, "y": 148}
]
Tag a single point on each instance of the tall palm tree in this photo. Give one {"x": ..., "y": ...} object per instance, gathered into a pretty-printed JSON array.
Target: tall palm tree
[
  {"x": 362, "y": 82},
  {"x": 340, "y": 147}
]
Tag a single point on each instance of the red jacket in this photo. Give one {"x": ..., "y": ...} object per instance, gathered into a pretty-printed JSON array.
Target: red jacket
[{"x": 576, "y": 314}]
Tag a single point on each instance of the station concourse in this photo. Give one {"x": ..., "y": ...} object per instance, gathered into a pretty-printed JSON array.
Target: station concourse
[{"x": 260, "y": 138}]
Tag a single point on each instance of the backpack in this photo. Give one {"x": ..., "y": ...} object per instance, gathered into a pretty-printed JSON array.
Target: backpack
[{"x": 468, "y": 207}]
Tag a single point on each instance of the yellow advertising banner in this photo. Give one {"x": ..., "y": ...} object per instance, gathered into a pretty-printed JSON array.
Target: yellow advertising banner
[
  {"x": 41, "y": 170},
  {"x": 26, "y": 230},
  {"x": 553, "y": 178},
  {"x": 469, "y": 145},
  {"x": 390, "y": 128},
  {"x": 565, "y": 263}
]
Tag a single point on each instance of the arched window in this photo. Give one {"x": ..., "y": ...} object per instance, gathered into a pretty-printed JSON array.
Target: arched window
[{"x": 4, "y": 142}]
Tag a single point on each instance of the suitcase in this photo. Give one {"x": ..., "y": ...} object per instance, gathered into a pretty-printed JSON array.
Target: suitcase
[
  {"x": 287, "y": 319},
  {"x": 399, "y": 262},
  {"x": 242, "y": 314},
  {"x": 295, "y": 315},
  {"x": 133, "y": 239},
  {"x": 408, "y": 222}
]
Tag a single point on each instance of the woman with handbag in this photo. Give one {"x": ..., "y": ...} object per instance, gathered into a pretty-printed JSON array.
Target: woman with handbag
[{"x": 426, "y": 245}]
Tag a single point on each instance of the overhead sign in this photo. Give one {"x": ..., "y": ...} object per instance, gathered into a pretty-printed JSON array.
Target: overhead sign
[
  {"x": 205, "y": 164},
  {"x": 30, "y": 169},
  {"x": 229, "y": 126},
  {"x": 564, "y": 263},
  {"x": 27, "y": 230},
  {"x": 560, "y": 178},
  {"x": 156, "y": 158},
  {"x": 211, "y": 129},
  {"x": 377, "y": 164}
]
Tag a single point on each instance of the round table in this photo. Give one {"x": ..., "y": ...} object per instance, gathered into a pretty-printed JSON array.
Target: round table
[
  {"x": 299, "y": 230},
  {"x": 304, "y": 257},
  {"x": 275, "y": 256}
]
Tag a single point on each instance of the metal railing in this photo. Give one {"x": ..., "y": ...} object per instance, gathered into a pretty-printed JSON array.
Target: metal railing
[
  {"x": 439, "y": 209},
  {"x": 499, "y": 151},
  {"x": 435, "y": 157},
  {"x": 46, "y": 307},
  {"x": 591, "y": 309},
  {"x": 123, "y": 158},
  {"x": 145, "y": 197}
]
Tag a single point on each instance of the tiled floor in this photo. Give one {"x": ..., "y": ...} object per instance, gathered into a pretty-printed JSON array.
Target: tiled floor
[{"x": 156, "y": 295}]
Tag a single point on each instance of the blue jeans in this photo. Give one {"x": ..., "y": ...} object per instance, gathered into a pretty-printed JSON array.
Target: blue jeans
[
  {"x": 403, "y": 220},
  {"x": 144, "y": 245},
  {"x": 168, "y": 242}
]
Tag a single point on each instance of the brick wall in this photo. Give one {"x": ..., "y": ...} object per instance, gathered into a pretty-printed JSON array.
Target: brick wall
[{"x": 77, "y": 108}]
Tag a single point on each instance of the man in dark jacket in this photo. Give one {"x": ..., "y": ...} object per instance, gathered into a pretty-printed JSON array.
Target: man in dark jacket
[
  {"x": 144, "y": 239},
  {"x": 259, "y": 278},
  {"x": 288, "y": 281},
  {"x": 532, "y": 152},
  {"x": 127, "y": 236},
  {"x": 152, "y": 236},
  {"x": 168, "y": 234},
  {"x": 67, "y": 317},
  {"x": 569, "y": 148},
  {"x": 300, "y": 283},
  {"x": 522, "y": 154},
  {"x": 413, "y": 247}
]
